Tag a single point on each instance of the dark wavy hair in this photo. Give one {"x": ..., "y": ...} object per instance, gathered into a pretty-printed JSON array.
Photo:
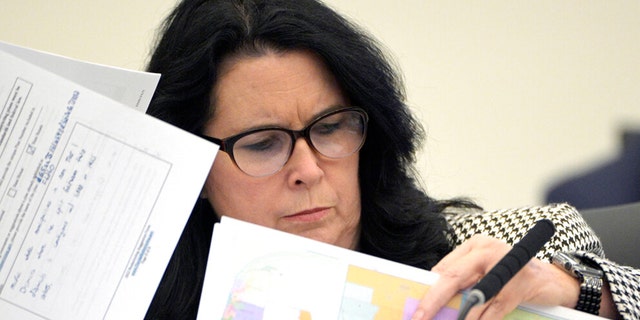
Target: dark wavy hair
[{"x": 399, "y": 221}]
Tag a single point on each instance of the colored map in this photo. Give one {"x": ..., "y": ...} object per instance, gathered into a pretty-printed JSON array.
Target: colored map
[
  {"x": 281, "y": 286},
  {"x": 371, "y": 295},
  {"x": 273, "y": 287},
  {"x": 272, "y": 275}
]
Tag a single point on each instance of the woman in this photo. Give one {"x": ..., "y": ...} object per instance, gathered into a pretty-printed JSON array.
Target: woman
[{"x": 318, "y": 142}]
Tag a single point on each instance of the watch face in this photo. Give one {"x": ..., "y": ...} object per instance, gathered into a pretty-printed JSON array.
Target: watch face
[
  {"x": 574, "y": 266},
  {"x": 566, "y": 262}
]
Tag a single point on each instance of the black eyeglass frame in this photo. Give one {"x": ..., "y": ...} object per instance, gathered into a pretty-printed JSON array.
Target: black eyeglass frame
[{"x": 226, "y": 144}]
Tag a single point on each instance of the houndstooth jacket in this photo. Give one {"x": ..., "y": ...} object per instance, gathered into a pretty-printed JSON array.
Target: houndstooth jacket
[{"x": 572, "y": 234}]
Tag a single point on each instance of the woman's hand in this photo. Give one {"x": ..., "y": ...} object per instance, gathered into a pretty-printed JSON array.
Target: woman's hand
[{"x": 537, "y": 282}]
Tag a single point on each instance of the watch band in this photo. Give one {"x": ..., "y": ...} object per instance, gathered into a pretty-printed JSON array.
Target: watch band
[
  {"x": 590, "y": 281},
  {"x": 590, "y": 294}
]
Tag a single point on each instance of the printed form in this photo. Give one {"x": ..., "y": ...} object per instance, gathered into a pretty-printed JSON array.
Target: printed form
[{"x": 93, "y": 197}]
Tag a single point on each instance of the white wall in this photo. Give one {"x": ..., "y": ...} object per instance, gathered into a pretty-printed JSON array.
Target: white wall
[
  {"x": 513, "y": 93},
  {"x": 113, "y": 32}
]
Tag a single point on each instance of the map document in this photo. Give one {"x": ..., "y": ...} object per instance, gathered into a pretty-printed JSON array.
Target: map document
[{"x": 257, "y": 273}]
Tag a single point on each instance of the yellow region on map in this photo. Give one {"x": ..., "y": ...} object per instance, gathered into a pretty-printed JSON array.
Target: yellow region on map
[
  {"x": 392, "y": 294},
  {"x": 305, "y": 315}
]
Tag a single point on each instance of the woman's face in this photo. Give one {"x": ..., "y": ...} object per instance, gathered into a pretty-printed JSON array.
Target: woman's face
[{"x": 312, "y": 196}]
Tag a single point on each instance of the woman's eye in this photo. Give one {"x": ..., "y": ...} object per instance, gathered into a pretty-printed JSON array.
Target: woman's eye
[
  {"x": 262, "y": 143},
  {"x": 326, "y": 128},
  {"x": 257, "y": 147}
]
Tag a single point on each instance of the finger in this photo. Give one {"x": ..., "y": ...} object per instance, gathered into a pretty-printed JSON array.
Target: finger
[
  {"x": 436, "y": 298},
  {"x": 459, "y": 270},
  {"x": 454, "y": 277},
  {"x": 495, "y": 248},
  {"x": 459, "y": 252},
  {"x": 520, "y": 288},
  {"x": 498, "y": 307}
]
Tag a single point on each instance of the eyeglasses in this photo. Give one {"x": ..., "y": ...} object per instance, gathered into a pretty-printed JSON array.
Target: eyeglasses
[{"x": 263, "y": 152}]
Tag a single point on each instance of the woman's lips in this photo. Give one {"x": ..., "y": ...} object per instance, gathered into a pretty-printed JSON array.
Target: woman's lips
[{"x": 308, "y": 215}]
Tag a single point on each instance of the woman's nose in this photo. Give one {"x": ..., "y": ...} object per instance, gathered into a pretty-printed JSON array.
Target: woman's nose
[{"x": 303, "y": 167}]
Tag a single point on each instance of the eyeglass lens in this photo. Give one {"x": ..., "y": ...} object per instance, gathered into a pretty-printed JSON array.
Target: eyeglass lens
[{"x": 265, "y": 152}]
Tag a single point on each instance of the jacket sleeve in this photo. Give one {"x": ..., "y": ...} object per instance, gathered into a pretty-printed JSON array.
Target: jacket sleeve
[
  {"x": 624, "y": 283},
  {"x": 572, "y": 235}
]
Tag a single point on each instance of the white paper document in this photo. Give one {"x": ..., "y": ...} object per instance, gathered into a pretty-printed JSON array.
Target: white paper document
[
  {"x": 94, "y": 195},
  {"x": 256, "y": 273},
  {"x": 130, "y": 87}
]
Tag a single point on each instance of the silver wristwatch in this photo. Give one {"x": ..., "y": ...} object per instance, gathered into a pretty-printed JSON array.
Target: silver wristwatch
[{"x": 590, "y": 280}]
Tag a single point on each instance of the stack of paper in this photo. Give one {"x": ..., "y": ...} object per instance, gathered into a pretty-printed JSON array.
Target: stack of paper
[{"x": 94, "y": 194}]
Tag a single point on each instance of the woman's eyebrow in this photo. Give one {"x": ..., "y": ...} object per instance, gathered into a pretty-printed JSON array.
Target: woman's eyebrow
[{"x": 324, "y": 111}]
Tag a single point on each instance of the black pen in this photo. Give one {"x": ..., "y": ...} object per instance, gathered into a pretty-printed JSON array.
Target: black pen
[{"x": 508, "y": 266}]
